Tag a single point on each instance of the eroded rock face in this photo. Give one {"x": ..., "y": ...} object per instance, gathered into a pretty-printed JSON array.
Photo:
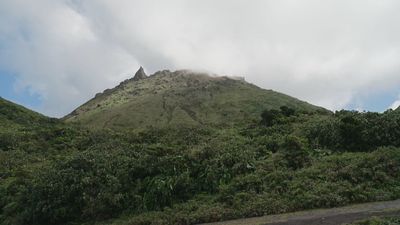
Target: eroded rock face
[{"x": 140, "y": 74}]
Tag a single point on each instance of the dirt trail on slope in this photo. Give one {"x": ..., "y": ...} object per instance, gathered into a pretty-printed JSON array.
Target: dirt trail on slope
[{"x": 333, "y": 216}]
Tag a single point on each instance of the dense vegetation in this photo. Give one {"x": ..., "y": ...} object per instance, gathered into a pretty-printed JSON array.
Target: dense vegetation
[
  {"x": 379, "y": 221},
  {"x": 288, "y": 160}
]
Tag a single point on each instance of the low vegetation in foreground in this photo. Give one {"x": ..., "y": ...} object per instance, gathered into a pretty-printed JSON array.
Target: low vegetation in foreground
[
  {"x": 379, "y": 221},
  {"x": 288, "y": 160}
]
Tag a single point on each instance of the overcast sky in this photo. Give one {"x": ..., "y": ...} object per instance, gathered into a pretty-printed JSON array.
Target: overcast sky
[{"x": 56, "y": 54}]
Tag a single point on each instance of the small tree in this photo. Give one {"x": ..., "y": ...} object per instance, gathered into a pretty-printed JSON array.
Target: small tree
[
  {"x": 286, "y": 111},
  {"x": 294, "y": 152},
  {"x": 270, "y": 117}
]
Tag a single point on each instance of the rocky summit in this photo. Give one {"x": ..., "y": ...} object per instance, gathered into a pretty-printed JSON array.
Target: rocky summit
[
  {"x": 140, "y": 74},
  {"x": 181, "y": 97}
]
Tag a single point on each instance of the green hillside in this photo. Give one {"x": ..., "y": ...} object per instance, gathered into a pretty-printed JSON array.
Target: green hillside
[
  {"x": 12, "y": 114},
  {"x": 181, "y": 98},
  {"x": 257, "y": 152},
  {"x": 21, "y": 128}
]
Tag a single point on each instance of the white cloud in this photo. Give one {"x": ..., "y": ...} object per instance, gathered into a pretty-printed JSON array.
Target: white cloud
[
  {"x": 53, "y": 51},
  {"x": 395, "y": 104},
  {"x": 326, "y": 52}
]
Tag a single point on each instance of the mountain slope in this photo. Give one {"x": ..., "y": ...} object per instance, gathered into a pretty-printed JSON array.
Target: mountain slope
[
  {"x": 12, "y": 114},
  {"x": 180, "y": 97},
  {"x": 20, "y": 126}
]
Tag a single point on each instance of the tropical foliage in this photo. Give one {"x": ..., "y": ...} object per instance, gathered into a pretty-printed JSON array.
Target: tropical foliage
[{"x": 56, "y": 173}]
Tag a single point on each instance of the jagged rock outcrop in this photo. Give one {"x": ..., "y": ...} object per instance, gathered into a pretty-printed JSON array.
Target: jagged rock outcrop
[{"x": 140, "y": 74}]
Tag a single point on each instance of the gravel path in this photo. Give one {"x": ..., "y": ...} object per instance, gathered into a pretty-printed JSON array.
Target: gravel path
[{"x": 341, "y": 215}]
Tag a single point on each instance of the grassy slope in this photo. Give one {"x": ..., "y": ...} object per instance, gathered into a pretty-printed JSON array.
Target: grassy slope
[
  {"x": 12, "y": 114},
  {"x": 181, "y": 97}
]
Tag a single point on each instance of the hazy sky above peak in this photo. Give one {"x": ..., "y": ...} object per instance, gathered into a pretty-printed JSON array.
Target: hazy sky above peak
[{"x": 56, "y": 54}]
